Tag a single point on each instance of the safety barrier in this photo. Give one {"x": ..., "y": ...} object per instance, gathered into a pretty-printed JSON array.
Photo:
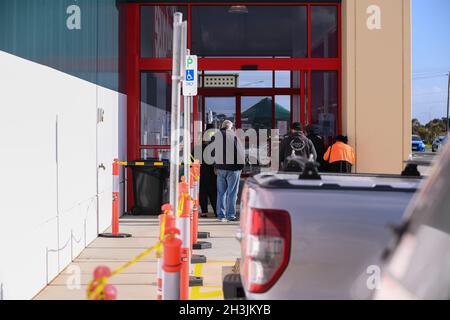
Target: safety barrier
[
  {"x": 167, "y": 247},
  {"x": 98, "y": 286},
  {"x": 108, "y": 292},
  {"x": 115, "y": 204},
  {"x": 116, "y": 197},
  {"x": 141, "y": 164},
  {"x": 173, "y": 255}
]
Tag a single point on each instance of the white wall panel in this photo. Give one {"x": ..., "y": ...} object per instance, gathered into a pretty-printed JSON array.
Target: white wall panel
[
  {"x": 111, "y": 144},
  {"x": 49, "y": 209}
]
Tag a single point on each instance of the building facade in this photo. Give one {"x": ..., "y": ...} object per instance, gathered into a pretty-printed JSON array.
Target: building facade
[{"x": 87, "y": 81}]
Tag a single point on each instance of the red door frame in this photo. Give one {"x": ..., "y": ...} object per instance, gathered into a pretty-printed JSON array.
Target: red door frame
[{"x": 135, "y": 64}]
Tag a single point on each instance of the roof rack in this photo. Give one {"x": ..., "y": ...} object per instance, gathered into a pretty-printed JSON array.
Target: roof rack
[
  {"x": 411, "y": 169},
  {"x": 424, "y": 163},
  {"x": 311, "y": 171}
]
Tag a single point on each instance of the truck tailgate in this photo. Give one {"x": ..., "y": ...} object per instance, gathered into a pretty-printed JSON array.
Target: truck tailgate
[{"x": 338, "y": 237}]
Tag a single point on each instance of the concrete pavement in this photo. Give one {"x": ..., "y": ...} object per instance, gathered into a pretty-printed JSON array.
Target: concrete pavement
[{"x": 138, "y": 282}]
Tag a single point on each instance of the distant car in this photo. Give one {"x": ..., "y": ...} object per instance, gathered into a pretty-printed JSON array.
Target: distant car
[
  {"x": 439, "y": 142},
  {"x": 417, "y": 144},
  {"x": 416, "y": 264}
]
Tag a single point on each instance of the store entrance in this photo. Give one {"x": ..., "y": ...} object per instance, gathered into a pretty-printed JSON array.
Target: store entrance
[
  {"x": 258, "y": 76},
  {"x": 254, "y": 99}
]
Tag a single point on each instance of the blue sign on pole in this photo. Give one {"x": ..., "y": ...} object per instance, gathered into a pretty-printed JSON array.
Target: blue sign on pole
[{"x": 190, "y": 75}]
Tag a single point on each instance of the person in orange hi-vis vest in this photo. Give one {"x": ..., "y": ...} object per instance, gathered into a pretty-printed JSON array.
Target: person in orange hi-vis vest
[{"x": 340, "y": 157}]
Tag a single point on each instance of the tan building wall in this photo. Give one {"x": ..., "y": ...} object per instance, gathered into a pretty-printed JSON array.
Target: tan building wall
[{"x": 376, "y": 83}]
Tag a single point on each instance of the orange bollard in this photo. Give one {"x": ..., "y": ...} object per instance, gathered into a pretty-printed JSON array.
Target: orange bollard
[
  {"x": 195, "y": 221},
  {"x": 169, "y": 223},
  {"x": 195, "y": 173},
  {"x": 102, "y": 272},
  {"x": 115, "y": 204},
  {"x": 170, "y": 220},
  {"x": 171, "y": 266},
  {"x": 185, "y": 231},
  {"x": 109, "y": 292}
]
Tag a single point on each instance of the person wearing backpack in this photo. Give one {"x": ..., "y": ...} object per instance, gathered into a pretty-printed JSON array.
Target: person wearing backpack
[
  {"x": 295, "y": 144},
  {"x": 340, "y": 157},
  {"x": 319, "y": 145}
]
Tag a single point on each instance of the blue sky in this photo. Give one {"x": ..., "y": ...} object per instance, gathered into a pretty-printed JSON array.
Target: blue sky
[{"x": 431, "y": 58}]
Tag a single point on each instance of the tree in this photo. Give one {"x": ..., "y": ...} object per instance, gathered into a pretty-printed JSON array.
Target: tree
[{"x": 430, "y": 131}]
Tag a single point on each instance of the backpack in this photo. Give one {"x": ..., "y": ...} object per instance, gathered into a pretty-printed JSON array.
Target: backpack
[
  {"x": 298, "y": 145},
  {"x": 294, "y": 164}
]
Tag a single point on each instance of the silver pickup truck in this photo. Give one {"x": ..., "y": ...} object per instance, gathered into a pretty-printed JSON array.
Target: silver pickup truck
[{"x": 311, "y": 238}]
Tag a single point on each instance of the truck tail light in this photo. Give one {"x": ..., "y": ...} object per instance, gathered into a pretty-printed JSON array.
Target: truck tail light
[{"x": 267, "y": 248}]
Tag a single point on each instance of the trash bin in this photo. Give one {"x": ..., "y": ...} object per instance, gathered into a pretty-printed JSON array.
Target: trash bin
[{"x": 150, "y": 186}]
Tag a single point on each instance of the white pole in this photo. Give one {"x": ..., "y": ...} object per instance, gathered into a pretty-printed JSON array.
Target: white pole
[
  {"x": 175, "y": 116},
  {"x": 171, "y": 286}
]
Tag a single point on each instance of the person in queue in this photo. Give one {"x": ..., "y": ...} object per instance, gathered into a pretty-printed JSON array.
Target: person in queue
[
  {"x": 208, "y": 178},
  {"x": 295, "y": 144},
  {"x": 340, "y": 156},
  {"x": 319, "y": 145},
  {"x": 228, "y": 170}
]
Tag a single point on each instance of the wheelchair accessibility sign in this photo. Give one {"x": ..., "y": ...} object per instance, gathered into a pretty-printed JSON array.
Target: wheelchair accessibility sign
[
  {"x": 190, "y": 75},
  {"x": 190, "y": 83}
]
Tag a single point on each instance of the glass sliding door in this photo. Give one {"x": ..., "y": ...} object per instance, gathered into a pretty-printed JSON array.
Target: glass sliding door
[
  {"x": 155, "y": 113},
  {"x": 256, "y": 112},
  {"x": 282, "y": 114},
  {"x": 324, "y": 103},
  {"x": 219, "y": 109}
]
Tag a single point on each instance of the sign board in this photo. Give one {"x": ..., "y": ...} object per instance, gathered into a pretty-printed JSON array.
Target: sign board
[
  {"x": 190, "y": 83},
  {"x": 220, "y": 81},
  {"x": 282, "y": 127},
  {"x": 326, "y": 124}
]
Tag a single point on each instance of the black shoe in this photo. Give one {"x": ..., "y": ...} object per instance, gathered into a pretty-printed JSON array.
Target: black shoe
[
  {"x": 204, "y": 215},
  {"x": 233, "y": 219}
]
